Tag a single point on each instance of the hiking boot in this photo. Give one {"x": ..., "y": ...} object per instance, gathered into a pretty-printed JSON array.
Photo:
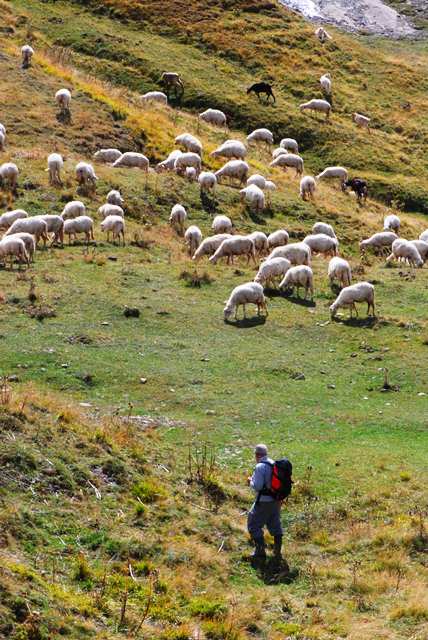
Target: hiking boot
[{"x": 259, "y": 550}]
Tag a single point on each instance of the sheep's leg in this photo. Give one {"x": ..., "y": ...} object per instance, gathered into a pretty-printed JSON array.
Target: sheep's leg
[{"x": 245, "y": 313}]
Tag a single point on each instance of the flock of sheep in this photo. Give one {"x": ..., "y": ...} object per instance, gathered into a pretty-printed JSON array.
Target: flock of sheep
[{"x": 285, "y": 264}]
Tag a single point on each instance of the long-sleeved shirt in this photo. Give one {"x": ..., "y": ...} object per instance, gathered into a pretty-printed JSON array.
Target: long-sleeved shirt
[{"x": 261, "y": 478}]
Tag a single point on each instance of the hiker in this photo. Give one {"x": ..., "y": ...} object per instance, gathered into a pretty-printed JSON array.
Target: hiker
[{"x": 266, "y": 510}]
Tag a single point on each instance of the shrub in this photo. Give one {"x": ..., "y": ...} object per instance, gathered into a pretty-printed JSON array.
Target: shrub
[
  {"x": 148, "y": 491},
  {"x": 208, "y": 609}
]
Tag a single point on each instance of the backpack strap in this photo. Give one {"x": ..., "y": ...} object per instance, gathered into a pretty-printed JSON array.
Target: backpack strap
[{"x": 265, "y": 491}]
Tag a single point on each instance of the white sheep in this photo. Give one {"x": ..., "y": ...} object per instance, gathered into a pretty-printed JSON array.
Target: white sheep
[
  {"x": 73, "y": 209},
  {"x": 107, "y": 155},
  {"x": 299, "y": 276},
  {"x": 392, "y": 223},
  {"x": 63, "y": 100},
  {"x": 322, "y": 34},
  {"x": 278, "y": 152},
  {"x": 154, "y": 96},
  {"x": 207, "y": 180},
  {"x": 308, "y": 187},
  {"x": 2, "y": 140},
  {"x": 27, "y": 53},
  {"x": 214, "y": 116},
  {"x": 339, "y": 269},
  {"x": 210, "y": 245},
  {"x": 334, "y": 173},
  {"x": 81, "y": 224},
  {"x": 115, "y": 225},
  {"x": 382, "y": 240},
  {"x": 278, "y": 238},
  {"x": 254, "y": 196},
  {"x": 317, "y": 105},
  {"x": 323, "y": 227},
  {"x": 111, "y": 210},
  {"x": 234, "y": 170},
  {"x": 190, "y": 143},
  {"x": 13, "y": 248},
  {"x": 360, "y": 292},
  {"x": 289, "y": 144},
  {"x": 114, "y": 197},
  {"x": 424, "y": 236},
  {"x": 322, "y": 243},
  {"x": 132, "y": 159},
  {"x": 55, "y": 164},
  {"x": 361, "y": 121},
  {"x": 285, "y": 160},
  {"x": 403, "y": 250},
  {"x": 8, "y": 218},
  {"x": 2, "y": 128},
  {"x": 222, "y": 224},
  {"x": 29, "y": 242},
  {"x": 189, "y": 159},
  {"x": 177, "y": 217},
  {"x": 235, "y": 246},
  {"x": 55, "y": 225},
  {"x": 172, "y": 80},
  {"x": 9, "y": 173},
  {"x": 36, "y": 226},
  {"x": 269, "y": 187},
  {"x": 261, "y": 135},
  {"x": 325, "y": 82},
  {"x": 296, "y": 252},
  {"x": 191, "y": 174},
  {"x": 85, "y": 175},
  {"x": 422, "y": 248},
  {"x": 272, "y": 269},
  {"x": 243, "y": 294},
  {"x": 168, "y": 163},
  {"x": 230, "y": 149},
  {"x": 192, "y": 238},
  {"x": 260, "y": 242},
  {"x": 258, "y": 180}
]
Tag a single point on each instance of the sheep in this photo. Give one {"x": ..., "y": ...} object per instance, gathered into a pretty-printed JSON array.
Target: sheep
[
  {"x": 9, "y": 173},
  {"x": 299, "y": 276},
  {"x": 55, "y": 164},
  {"x": 285, "y": 160},
  {"x": 73, "y": 209},
  {"x": 289, "y": 144},
  {"x": 323, "y": 227},
  {"x": 188, "y": 159},
  {"x": 2, "y": 140},
  {"x": 359, "y": 292},
  {"x": 254, "y": 196},
  {"x": 339, "y": 269},
  {"x": 391, "y": 223},
  {"x": 222, "y": 224},
  {"x": 235, "y": 246},
  {"x": 234, "y": 170},
  {"x": 133, "y": 160},
  {"x": 361, "y": 121},
  {"x": 107, "y": 155},
  {"x": 116, "y": 225},
  {"x": 296, "y": 252},
  {"x": 2, "y": 128},
  {"x": 405, "y": 250},
  {"x": 214, "y": 116},
  {"x": 317, "y": 105},
  {"x": 278, "y": 238},
  {"x": 193, "y": 238},
  {"x": 177, "y": 217},
  {"x": 325, "y": 82},
  {"x": 191, "y": 174},
  {"x": 243, "y": 294},
  {"x": 36, "y": 226},
  {"x": 210, "y": 245},
  {"x": 8, "y": 218},
  {"x": 308, "y": 187},
  {"x": 269, "y": 186},
  {"x": 114, "y": 197},
  {"x": 207, "y": 180},
  {"x": 29, "y": 242},
  {"x": 81, "y": 224},
  {"x": 172, "y": 80},
  {"x": 331, "y": 173},
  {"x": 168, "y": 163},
  {"x": 110, "y": 210},
  {"x": 322, "y": 34},
  {"x": 261, "y": 135},
  {"x": 155, "y": 96},
  {"x": 13, "y": 248},
  {"x": 278, "y": 152},
  {"x": 382, "y": 241},
  {"x": 422, "y": 247},
  {"x": 190, "y": 143},
  {"x": 258, "y": 180},
  {"x": 63, "y": 100},
  {"x": 260, "y": 241},
  {"x": 27, "y": 53},
  {"x": 55, "y": 225},
  {"x": 424, "y": 236},
  {"x": 271, "y": 269},
  {"x": 230, "y": 149},
  {"x": 322, "y": 243},
  {"x": 85, "y": 175},
  {"x": 359, "y": 187}
]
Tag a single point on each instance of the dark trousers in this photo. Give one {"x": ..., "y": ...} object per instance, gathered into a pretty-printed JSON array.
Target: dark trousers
[{"x": 264, "y": 514}]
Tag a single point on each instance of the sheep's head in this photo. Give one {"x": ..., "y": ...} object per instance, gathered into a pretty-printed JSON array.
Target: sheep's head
[
  {"x": 227, "y": 311},
  {"x": 333, "y": 309}
]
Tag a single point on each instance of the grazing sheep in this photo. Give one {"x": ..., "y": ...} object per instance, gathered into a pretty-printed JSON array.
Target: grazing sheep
[
  {"x": 322, "y": 34},
  {"x": 323, "y": 227},
  {"x": 13, "y": 248},
  {"x": 278, "y": 152},
  {"x": 207, "y": 180},
  {"x": 188, "y": 159},
  {"x": 289, "y": 144},
  {"x": 210, "y": 245},
  {"x": 190, "y": 143},
  {"x": 243, "y": 294},
  {"x": 111, "y": 210},
  {"x": 271, "y": 269},
  {"x": 193, "y": 238},
  {"x": 422, "y": 248},
  {"x": 63, "y": 100},
  {"x": 55, "y": 164},
  {"x": 234, "y": 170},
  {"x": 403, "y": 250},
  {"x": 114, "y": 197},
  {"x": 317, "y": 105},
  {"x": 360, "y": 292},
  {"x": 2, "y": 128},
  {"x": 261, "y": 87},
  {"x": 235, "y": 246},
  {"x": 27, "y": 53},
  {"x": 29, "y": 242},
  {"x": 322, "y": 243},
  {"x": 382, "y": 241},
  {"x": 269, "y": 186},
  {"x": 325, "y": 82},
  {"x": 107, "y": 155},
  {"x": 260, "y": 242},
  {"x": 222, "y": 224},
  {"x": 254, "y": 196},
  {"x": 340, "y": 270},
  {"x": 392, "y": 223},
  {"x": 9, "y": 173},
  {"x": 2, "y": 140},
  {"x": 359, "y": 187},
  {"x": 334, "y": 173},
  {"x": 258, "y": 180},
  {"x": 8, "y": 218},
  {"x": 285, "y": 160},
  {"x": 177, "y": 217},
  {"x": 361, "y": 121},
  {"x": 55, "y": 225},
  {"x": 154, "y": 96},
  {"x": 191, "y": 174},
  {"x": 133, "y": 160},
  {"x": 308, "y": 187},
  {"x": 278, "y": 238},
  {"x": 261, "y": 135},
  {"x": 168, "y": 163},
  {"x": 296, "y": 252},
  {"x": 73, "y": 209},
  {"x": 171, "y": 80},
  {"x": 214, "y": 116},
  {"x": 81, "y": 224},
  {"x": 230, "y": 149},
  {"x": 299, "y": 276},
  {"x": 115, "y": 225},
  {"x": 424, "y": 236},
  {"x": 36, "y": 226},
  {"x": 85, "y": 175}
]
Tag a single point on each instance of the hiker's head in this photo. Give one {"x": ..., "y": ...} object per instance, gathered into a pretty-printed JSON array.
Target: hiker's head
[{"x": 260, "y": 451}]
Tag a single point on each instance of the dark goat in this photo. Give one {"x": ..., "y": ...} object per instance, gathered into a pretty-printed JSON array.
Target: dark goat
[
  {"x": 359, "y": 187},
  {"x": 261, "y": 87}
]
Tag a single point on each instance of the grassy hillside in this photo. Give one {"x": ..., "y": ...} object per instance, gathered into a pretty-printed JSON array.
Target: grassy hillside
[{"x": 104, "y": 530}]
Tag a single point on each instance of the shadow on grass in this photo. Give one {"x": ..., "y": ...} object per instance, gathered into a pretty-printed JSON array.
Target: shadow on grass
[
  {"x": 208, "y": 202},
  {"x": 273, "y": 572},
  {"x": 247, "y": 323},
  {"x": 368, "y": 322},
  {"x": 303, "y": 302}
]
